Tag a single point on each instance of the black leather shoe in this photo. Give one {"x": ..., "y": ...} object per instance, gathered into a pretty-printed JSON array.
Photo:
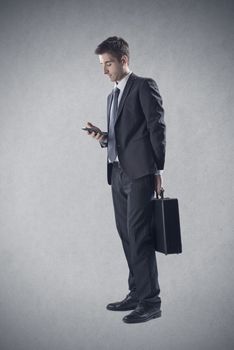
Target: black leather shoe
[
  {"x": 129, "y": 303},
  {"x": 143, "y": 313}
]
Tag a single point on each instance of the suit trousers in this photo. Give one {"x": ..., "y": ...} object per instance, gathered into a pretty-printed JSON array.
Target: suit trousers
[{"x": 131, "y": 199}]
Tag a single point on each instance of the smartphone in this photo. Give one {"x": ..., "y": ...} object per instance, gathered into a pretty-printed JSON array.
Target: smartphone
[{"x": 93, "y": 129}]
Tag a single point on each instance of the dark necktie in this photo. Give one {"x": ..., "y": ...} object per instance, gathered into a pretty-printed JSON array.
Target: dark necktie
[{"x": 112, "y": 153}]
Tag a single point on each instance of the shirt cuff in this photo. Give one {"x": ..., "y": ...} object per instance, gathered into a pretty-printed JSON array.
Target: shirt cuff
[{"x": 159, "y": 172}]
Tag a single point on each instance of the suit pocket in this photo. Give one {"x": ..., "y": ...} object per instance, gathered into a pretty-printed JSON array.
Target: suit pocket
[{"x": 142, "y": 137}]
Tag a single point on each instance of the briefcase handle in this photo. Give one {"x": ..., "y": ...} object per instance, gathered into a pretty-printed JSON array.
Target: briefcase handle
[{"x": 161, "y": 194}]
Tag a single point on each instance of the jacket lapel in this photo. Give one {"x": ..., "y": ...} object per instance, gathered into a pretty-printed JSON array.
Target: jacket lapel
[
  {"x": 125, "y": 93},
  {"x": 109, "y": 101}
]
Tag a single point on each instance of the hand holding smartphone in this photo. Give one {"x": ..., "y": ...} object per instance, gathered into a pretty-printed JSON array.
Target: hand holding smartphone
[{"x": 94, "y": 129}]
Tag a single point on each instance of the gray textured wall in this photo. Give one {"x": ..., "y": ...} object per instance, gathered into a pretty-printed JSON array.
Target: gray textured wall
[{"x": 61, "y": 260}]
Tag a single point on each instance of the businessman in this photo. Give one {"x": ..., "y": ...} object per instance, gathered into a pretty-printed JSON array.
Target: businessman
[{"x": 136, "y": 144}]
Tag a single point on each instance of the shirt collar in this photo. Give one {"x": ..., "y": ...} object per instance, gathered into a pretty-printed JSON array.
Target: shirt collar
[{"x": 121, "y": 84}]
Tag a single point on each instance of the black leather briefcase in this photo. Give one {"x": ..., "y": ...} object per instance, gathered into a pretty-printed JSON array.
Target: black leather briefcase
[{"x": 165, "y": 225}]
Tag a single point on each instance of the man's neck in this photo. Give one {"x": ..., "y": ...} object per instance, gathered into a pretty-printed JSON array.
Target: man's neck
[{"x": 124, "y": 75}]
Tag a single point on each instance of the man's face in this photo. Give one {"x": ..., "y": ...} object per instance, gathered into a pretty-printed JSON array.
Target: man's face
[{"x": 112, "y": 67}]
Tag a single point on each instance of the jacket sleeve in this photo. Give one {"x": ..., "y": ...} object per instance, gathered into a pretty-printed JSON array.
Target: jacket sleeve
[
  {"x": 151, "y": 103},
  {"x": 103, "y": 143}
]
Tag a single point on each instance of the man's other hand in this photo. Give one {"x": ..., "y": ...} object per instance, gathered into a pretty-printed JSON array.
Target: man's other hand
[{"x": 158, "y": 184}]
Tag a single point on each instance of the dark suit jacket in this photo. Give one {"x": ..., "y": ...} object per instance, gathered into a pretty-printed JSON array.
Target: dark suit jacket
[{"x": 140, "y": 129}]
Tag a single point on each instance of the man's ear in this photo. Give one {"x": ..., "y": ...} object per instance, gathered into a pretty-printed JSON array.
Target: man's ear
[{"x": 124, "y": 59}]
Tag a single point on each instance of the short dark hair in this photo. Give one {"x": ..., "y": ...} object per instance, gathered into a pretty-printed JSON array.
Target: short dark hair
[{"x": 114, "y": 45}]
